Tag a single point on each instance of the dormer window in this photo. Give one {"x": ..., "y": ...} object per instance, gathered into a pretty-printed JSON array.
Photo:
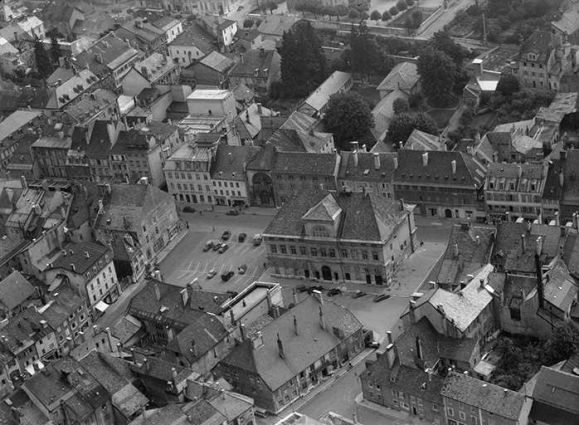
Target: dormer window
[{"x": 320, "y": 231}]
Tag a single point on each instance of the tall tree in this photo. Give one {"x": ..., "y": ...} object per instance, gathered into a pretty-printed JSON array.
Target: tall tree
[
  {"x": 349, "y": 118},
  {"x": 443, "y": 42},
  {"x": 437, "y": 75},
  {"x": 403, "y": 124},
  {"x": 43, "y": 65},
  {"x": 303, "y": 64},
  {"x": 508, "y": 84},
  {"x": 54, "y": 50},
  {"x": 364, "y": 52}
]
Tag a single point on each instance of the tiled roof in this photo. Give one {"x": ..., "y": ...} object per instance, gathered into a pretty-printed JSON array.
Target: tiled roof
[
  {"x": 473, "y": 244},
  {"x": 130, "y": 141},
  {"x": 14, "y": 290},
  {"x": 230, "y": 162},
  {"x": 254, "y": 60},
  {"x": 200, "y": 303},
  {"x": 539, "y": 43},
  {"x": 263, "y": 160},
  {"x": 98, "y": 145},
  {"x": 162, "y": 370},
  {"x": 217, "y": 61},
  {"x": 403, "y": 76},
  {"x": 553, "y": 187},
  {"x": 300, "y": 351},
  {"x": 557, "y": 388},
  {"x": 91, "y": 104},
  {"x": 204, "y": 334},
  {"x": 438, "y": 170},
  {"x": 61, "y": 304},
  {"x": 568, "y": 22},
  {"x": 204, "y": 413},
  {"x": 71, "y": 88},
  {"x": 421, "y": 141},
  {"x": 464, "y": 307},
  {"x": 16, "y": 121},
  {"x": 366, "y": 169},
  {"x": 488, "y": 397},
  {"x": 157, "y": 65},
  {"x": 332, "y": 85},
  {"x": 560, "y": 288},
  {"x": 511, "y": 171},
  {"x": 363, "y": 217},
  {"x": 82, "y": 255},
  {"x": 110, "y": 48},
  {"x": 321, "y": 164},
  {"x": 231, "y": 405},
  {"x": 196, "y": 36}
]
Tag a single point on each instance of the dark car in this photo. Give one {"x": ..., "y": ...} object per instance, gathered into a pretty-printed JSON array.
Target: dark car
[
  {"x": 216, "y": 245},
  {"x": 226, "y": 276},
  {"x": 224, "y": 247},
  {"x": 232, "y": 294},
  {"x": 232, "y": 212},
  {"x": 381, "y": 297},
  {"x": 208, "y": 246},
  {"x": 242, "y": 237},
  {"x": 226, "y": 235},
  {"x": 358, "y": 294},
  {"x": 188, "y": 209},
  {"x": 334, "y": 291},
  {"x": 301, "y": 288},
  {"x": 242, "y": 269},
  {"x": 311, "y": 289}
]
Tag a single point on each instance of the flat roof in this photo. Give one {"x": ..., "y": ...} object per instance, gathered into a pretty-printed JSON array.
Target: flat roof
[
  {"x": 209, "y": 94},
  {"x": 249, "y": 300}
]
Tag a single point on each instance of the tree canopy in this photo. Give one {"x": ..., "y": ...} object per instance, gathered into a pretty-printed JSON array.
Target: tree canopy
[
  {"x": 403, "y": 124},
  {"x": 443, "y": 42},
  {"x": 349, "y": 118},
  {"x": 508, "y": 84},
  {"x": 364, "y": 53},
  {"x": 43, "y": 64},
  {"x": 303, "y": 64},
  {"x": 438, "y": 74}
]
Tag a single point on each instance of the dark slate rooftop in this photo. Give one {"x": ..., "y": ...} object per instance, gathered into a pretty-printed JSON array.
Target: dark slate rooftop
[
  {"x": 321, "y": 164},
  {"x": 83, "y": 255}
]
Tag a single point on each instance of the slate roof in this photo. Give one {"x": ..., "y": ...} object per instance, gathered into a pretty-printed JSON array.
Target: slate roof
[
  {"x": 464, "y": 307},
  {"x": 560, "y": 288},
  {"x": 421, "y": 141},
  {"x": 62, "y": 304},
  {"x": 404, "y": 76},
  {"x": 553, "y": 187},
  {"x": 300, "y": 351},
  {"x": 76, "y": 253},
  {"x": 161, "y": 370},
  {"x": 571, "y": 183},
  {"x": 194, "y": 35},
  {"x": 204, "y": 333},
  {"x": 488, "y": 397},
  {"x": 230, "y": 162},
  {"x": 263, "y": 160},
  {"x": 539, "y": 43},
  {"x": 114, "y": 52},
  {"x": 332, "y": 85},
  {"x": 91, "y": 104},
  {"x": 321, "y": 164},
  {"x": 568, "y": 22},
  {"x": 365, "y": 169},
  {"x": 217, "y": 61},
  {"x": 438, "y": 171},
  {"x": 14, "y": 290},
  {"x": 511, "y": 171},
  {"x": 98, "y": 146},
  {"x": 145, "y": 303},
  {"x": 127, "y": 205},
  {"x": 363, "y": 217},
  {"x": 16, "y": 121},
  {"x": 557, "y": 388},
  {"x": 254, "y": 60}
]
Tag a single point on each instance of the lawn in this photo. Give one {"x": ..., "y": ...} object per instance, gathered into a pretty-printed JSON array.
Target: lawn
[{"x": 441, "y": 115}]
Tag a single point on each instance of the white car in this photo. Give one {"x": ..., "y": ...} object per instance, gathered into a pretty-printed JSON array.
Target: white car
[{"x": 211, "y": 273}]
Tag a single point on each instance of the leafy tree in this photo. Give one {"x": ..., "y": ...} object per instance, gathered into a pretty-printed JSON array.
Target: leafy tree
[
  {"x": 303, "y": 64},
  {"x": 341, "y": 10},
  {"x": 386, "y": 16},
  {"x": 349, "y": 118},
  {"x": 271, "y": 5},
  {"x": 563, "y": 344},
  {"x": 43, "y": 65},
  {"x": 354, "y": 14},
  {"x": 248, "y": 23},
  {"x": 410, "y": 3},
  {"x": 393, "y": 11},
  {"x": 401, "y": 5},
  {"x": 443, "y": 42},
  {"x": 508, "y": 84},
  {"x": 54, "y": 50},
  {"x": 400, "y": 105},
  {"x": 402, "y": 125},
  {"x": 437, "y": 75},
  {"x": 364, "y": 52},
  {"x": 363, "y": 16},
  {"x": 416, "y": 19}
]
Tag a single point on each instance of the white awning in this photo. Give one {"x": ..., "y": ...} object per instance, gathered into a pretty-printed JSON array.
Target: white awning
[{"x": 101, "y": 306}]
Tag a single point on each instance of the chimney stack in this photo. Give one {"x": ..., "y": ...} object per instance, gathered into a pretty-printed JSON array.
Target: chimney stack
[
  {"x": 456, "y": 252},
  {"x": 453, "y": 164},
  {"x": 557, "y": 219},
  {"x": 322, "y": 323},
  {"x": 280, "y": 347},
  {"x": 401, "y": 204},
  {"x": 391, "y": 355},
  {"x": 242, "y": 331},
  {"x": 561, "y": 178},
  {"x": 520, "y": 171},
  {"x": 174, "y": 373},
  {"x": 508, "y": 214},
  {"x": 395, "y": 161},
  {"x": 184, "y": 296},
  {"x": 296, "y": 326},
  {"x": 296, "y": 297},
  {"x": 419, "y": 348},
  {"x": 377, "y": 161},
  {"x": 157, "y": 292},
  {"x": 23, "y": 182},
  {"x": 389, "y": 336},
  {"x": 193, "y": 348},
  {"x": 425, "y": 159},
  {"x": 575, "y": 220},
  {"x": 355, "y": 152},
  {"x": 412, "y": 305},
  {"x": 523, "y": 243},
  {"x": 539, "y": 271}
]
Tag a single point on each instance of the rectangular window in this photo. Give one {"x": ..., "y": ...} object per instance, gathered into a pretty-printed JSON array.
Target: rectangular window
[
  {"x": 332, "y": 253},
  {"x": 364, "y": 255},
  {"x": 303, "y": 250},
  {"x": 314, "y": 252},
  {"x": 293, "y": 250},
  {"x": 283, "y": 249},
  {"x": 450, "y": 411},
  {"x": 375, "y": 256},
  {"x": 462, "y": 416},
  {"x": 323, "y": 252},
  {"x": 273, "y": 249}
]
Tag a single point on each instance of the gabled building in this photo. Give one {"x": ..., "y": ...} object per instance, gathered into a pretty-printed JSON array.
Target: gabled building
[
  {"x": 143, "y": 36},
  {"x": 555, "y": 395},
  {"x": 12, "y": 128},
  {"x": 342, "y": 237},
  {"x": 280, "y": 362},
  {"x": 100, "y": 104},
  {"x": 191, "y": 45},
  {"x": 223, "y": 29},
  {"x": 228, "y": 177},
  {"x": 403, "y": 77},
  {"x": 62, "y": 17},
  {"x": 257, "y": 69},
  {"x": 297, "y": 133},
  {"x": 15, "y": 291},
  {"x": 156, "y": 69},
  {"x": 569, "y": 185},
  {"x": 210, "y": 72},
  {"x": 421, "y": 141},
  {"x": 440, "y": 183},
  {"x": 367, "y": 172},
  {"x": 317, "y": 102}
]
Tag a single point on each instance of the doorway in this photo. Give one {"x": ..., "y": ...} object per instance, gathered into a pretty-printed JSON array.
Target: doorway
[
  {"x": 448, "y": 213},
  {"x": 326, "y": 273}
]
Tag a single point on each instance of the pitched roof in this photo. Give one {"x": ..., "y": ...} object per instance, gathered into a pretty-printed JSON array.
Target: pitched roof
[
  {"x": 335, "y": 83},
  {"x": 91, "y": 104},
  {"x": 488, "y": 397},
  {"x": 145, "y": 303},
  {"x": 568, "y": 23},
  {"x": 557, "y": 388},
  {"x": 539, "y": 43},
  {"x": 571, "y": 183},
  {"x": 438, "y": 169},
  {"x": 404, "y": 76},
  {"x": 203, "y": 334},
  {"x": 217, "y": 61},
  {"x": 511, "y": 171},
  {"x": 60, "y": 305},
  {"x": 195, "y": 35},
  {"x": 365, "y": 167},
  {"x": 300, "y": 351},
  {"x": 16, "y": 121},
  {"x": 230, "y": 162},
  {"x": 421, "y": 141},
  {"x": 363, "y": 217},
  {"x": 464, "y": 307},
  {"x": 560, "y": 288},
  {"x": 254, "y": 61},
  {"x": 111, "y": 51},
  {"x": 14, "y": 290},
  {"x": 321, "y": 164},
  {"x": 82, "y": 255}
]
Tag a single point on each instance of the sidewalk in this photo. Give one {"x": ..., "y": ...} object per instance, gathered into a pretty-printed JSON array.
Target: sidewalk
[{"x": 368, "y": 413}]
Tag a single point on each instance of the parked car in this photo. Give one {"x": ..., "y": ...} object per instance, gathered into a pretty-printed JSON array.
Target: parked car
[
  {"x": 242, "y": 237},
  {"x": 224, "y": 247},
  {"x": 216, "y": 245},
  {"x": 372, "y": 344},
  {"x": 358, "y": 294},
  {"x": 226, "y": 235},
  {"x": 334, "y": 291},
  {"x": 311, "y": 289},
  {"x": 208, "y": 246},
  {"x": 232, "y": 211},
  {"x": 242, "y": 269},
  {"x": 211, "y": 273},
  {"x": 301, "y": 288},
  {"x": 188, "y": 209},
  {"x": 232, "y": 294},
  {"x": 226, "y": 276},
  {"x": 257, "y": 239},
  {"x": 381, "y": 297}
]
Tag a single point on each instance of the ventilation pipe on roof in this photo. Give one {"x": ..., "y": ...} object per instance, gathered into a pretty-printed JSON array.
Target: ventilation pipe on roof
[
  {"x": 425, "y": 159},
  {"x": 453, "y": 164},
  {"x": 377, "y": 161},
  {"x": 523, "y": 243}
]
